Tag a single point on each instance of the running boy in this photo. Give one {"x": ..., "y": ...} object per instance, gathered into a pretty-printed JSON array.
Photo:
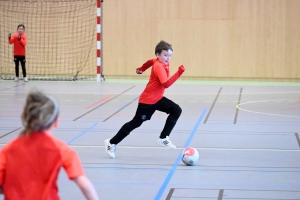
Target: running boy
[
  {"x": 29, "y": 165},
  {"x": 152, "y": 99},
  {"x": 19, "y": 40}
]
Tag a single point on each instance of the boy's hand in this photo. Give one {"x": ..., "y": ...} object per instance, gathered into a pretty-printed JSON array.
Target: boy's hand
[
  {"x": 138, "y": 71},
  {"x": 19, "y": 37},
  {"x": 9, "y": 35},
  {"x": 181, "y": 69}
]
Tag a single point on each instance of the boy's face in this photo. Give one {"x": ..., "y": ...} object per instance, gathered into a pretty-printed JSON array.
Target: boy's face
[
  {"x": 164, "y": 56},
  {"x": 21, "y": 30}
]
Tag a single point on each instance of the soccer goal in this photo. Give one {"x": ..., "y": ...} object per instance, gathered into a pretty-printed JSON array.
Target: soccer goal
[{"x": 61, "y": 38}]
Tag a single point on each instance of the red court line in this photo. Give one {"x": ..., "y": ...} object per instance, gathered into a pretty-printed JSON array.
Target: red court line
[{"x": 101, "y": 100}]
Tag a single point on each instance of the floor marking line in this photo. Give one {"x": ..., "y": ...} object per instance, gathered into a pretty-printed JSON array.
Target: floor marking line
[
  {"x": 181, "y": 148},
  {"x": 237, "y": 110},
  {"x": 84, "y": 132},
  {"x": 121, "y": 108},
  {"x": 262, "y": 113},
  {"x": 198, "y": 148},
  {"x": 212, "y": 106},
  {"x": 103, "y": 103},
  {"x": 10, "y": 132},
  {"x": 12, "y": 87},
  {"x": 173, "y": 169},
  {"x": 298, "y": 139},
  {"x": 220, "y": 197},
  {"x": 170, "y": 193},
  {"x": 101, "y": 100},
  {"x": 235, "y": 189}
]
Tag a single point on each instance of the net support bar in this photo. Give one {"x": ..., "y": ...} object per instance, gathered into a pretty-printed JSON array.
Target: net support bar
[{"x": 98, "y": 61}]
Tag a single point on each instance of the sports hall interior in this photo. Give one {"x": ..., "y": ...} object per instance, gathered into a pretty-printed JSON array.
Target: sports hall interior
[{"x": 239, "y": 94}]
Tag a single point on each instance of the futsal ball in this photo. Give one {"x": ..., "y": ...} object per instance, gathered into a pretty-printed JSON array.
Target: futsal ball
[{"x": 190, "y": 156}]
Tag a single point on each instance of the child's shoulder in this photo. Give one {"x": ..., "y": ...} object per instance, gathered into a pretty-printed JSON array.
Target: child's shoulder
[
  {"x": 57, "y": 141},
  {"x": 61, "y": 145},
  {"x": 154, "y": 60},
  {"x": 10, "y": 144},
  {"x": 157, "y": 63}
]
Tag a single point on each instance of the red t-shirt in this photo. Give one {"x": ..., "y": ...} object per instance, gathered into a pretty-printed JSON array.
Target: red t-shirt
[
  {"x": 154, "y": 90},
  {"x": 19, "y": 45},
  {"x": 29, "y": 167}
]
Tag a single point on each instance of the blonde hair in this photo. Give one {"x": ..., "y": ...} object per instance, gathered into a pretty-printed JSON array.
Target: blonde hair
[{"x": 39, "y": 113}]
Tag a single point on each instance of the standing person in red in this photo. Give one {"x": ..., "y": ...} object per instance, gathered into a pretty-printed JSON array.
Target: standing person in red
[
  {"x": 152, "y": 99},
  {"x": 29, "y": 165},
  {"x": 19, "y": 40}
]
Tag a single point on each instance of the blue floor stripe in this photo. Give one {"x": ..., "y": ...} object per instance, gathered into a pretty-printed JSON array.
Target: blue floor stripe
[
  {"x": 84, "y": 132},
  {"x": 129, "y": 102},
  {"x": 172, "y": 171}
]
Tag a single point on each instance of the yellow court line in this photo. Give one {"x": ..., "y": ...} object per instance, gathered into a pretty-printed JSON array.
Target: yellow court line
[{"x": 262, "y": 113}]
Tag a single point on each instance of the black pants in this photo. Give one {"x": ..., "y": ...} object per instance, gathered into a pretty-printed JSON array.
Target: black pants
[
  {"x": 144, "y": 112},
  {"x": 21, "y": 59}
]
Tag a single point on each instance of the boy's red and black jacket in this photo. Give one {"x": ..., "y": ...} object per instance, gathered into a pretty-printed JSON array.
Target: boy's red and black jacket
[{"x": 159, "y": 80}]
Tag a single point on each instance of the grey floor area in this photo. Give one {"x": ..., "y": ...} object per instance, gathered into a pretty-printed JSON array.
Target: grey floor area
[{"x": 247, "y": 135}]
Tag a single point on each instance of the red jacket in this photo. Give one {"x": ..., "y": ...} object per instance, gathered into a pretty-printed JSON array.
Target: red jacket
[
  {"x": 29, "y": 166},
  {"x": 159, "y": 80},
  {"x": 155, "y": 90},
  {"x": 19, "y": 45}
]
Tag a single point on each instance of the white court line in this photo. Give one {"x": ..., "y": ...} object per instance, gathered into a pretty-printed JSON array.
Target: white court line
[{"x": 199, "y": 148}]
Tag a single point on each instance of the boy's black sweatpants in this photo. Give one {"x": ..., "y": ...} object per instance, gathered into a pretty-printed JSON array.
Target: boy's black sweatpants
[{"x": 144, "y": 112}]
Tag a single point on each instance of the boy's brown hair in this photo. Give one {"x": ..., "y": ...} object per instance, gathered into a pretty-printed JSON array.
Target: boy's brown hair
[{"x": 162, "y": 45}]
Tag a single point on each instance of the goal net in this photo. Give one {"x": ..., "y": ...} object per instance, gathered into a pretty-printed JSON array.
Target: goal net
[{"x": 61, "y": 38}]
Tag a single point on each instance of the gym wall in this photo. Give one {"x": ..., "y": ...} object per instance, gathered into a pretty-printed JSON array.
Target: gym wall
[{"x": 214, "y": 39}]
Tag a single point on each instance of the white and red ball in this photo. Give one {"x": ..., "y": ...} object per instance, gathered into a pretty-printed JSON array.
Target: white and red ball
[{"x": 190, "y": 156}]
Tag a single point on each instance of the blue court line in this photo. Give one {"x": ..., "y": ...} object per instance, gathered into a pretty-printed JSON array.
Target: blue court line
[
  {"x": 84, "y": 132},
  {"x": 121, "y": 108},
  {"x": 129, "y": 102},
  {"x": 172, "y": 171}
]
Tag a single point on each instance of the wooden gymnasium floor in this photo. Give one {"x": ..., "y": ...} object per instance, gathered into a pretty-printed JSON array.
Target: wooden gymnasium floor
[{"x": 248, "y": 153}]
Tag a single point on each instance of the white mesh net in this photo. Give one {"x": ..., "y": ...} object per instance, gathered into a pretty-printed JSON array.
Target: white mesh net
[{"x": 61, "y": 38}]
